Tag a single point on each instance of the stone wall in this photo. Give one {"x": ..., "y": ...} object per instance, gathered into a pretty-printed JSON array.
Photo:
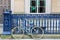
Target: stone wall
[
  {"x": 55, "y": 6},
  {"x": 19, "y": 6}
]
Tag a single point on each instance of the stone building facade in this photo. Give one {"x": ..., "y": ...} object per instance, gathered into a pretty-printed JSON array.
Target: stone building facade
[{"x": 19, "y": 6}]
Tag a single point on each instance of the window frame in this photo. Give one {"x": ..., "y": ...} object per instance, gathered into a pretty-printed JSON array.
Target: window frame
[{"x": 48, "y": 7}]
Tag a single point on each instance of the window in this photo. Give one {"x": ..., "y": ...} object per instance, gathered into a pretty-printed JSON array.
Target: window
[{"x": 37, "y": 6}]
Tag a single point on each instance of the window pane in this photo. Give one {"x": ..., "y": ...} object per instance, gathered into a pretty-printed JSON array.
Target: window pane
[
  {"x": 42, "y": 3},
  {"x": 41, "y": 9},
  {"x": 33, "y": 9},
  {"x": 33, "y": 3}
]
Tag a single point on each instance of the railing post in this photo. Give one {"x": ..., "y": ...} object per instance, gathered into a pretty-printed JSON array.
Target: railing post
[{"x": 7, "y": 22}]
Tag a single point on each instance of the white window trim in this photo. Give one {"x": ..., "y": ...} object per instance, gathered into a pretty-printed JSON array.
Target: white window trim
[
  {"x": 12, "y": 6},
  {"x": 48, "y": 7}
]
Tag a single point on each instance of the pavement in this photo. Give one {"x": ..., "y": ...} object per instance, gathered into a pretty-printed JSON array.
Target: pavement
[
  {"x": 1, "y": 28},
  {"x": 45, "y": 36}
]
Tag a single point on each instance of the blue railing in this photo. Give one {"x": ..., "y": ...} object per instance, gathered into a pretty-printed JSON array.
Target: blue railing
[{"x": 50, "y": 23}]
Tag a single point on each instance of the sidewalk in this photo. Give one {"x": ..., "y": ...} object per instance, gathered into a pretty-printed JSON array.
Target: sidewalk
[{"x": 1, "y": 28}]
